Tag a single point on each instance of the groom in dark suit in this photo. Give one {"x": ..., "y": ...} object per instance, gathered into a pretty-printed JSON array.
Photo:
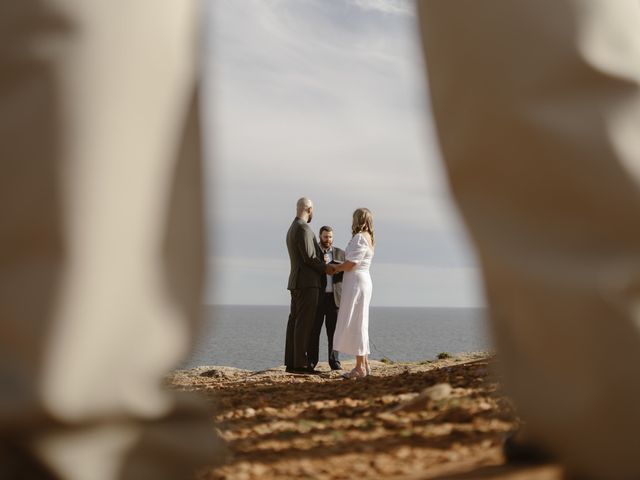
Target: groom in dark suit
[
  {"x": 328, "y": 303},
  {"x": 306, "y": 279}
]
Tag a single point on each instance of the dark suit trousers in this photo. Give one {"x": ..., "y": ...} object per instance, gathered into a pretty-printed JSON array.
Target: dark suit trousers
[
  {"x": 304, "y": 304},
  {"x": 326, "y": 309}
]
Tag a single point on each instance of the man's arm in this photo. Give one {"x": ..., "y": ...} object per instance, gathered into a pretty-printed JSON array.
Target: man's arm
[{"x": 307, "y": 248}]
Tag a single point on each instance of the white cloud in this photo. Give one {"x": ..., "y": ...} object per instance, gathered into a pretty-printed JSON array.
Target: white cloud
[
  {"x": 248, "y": 281},
  {"x": 263, "y": 281},
  {"x": 425, "y": 286},
  {"x": 398, "y": 7}
]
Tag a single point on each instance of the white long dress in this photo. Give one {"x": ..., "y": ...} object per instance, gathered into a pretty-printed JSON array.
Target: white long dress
[{"x": 352, "y": 327}]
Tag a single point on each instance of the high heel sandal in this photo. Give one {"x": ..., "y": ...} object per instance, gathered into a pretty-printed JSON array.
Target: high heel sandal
[{"x": 354, "y": 374}]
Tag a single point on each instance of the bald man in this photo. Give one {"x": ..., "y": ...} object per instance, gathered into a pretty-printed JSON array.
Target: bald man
[{"x": 306, "y": 279}]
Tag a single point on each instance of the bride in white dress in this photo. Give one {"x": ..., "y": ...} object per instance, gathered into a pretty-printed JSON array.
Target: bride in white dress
[{"x": 352, "y": 327}]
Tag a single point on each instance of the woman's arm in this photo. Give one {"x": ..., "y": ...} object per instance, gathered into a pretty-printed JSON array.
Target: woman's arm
[{"x": 346, "y": 266}]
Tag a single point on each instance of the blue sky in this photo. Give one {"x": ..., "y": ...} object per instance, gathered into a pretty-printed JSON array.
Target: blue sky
[{"x": 325, "y": 99}]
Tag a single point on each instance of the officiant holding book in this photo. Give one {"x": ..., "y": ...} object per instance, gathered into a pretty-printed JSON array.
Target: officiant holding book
[{"x": 328, "y": 302}]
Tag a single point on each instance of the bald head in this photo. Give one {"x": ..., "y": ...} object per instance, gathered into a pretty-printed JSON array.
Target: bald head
[{"x": 304, "y": 209}]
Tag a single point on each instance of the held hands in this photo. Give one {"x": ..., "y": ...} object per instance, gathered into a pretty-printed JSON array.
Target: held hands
[{"x": 331, "y": 269}]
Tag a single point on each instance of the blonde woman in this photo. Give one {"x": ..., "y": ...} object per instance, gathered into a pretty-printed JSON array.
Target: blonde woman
[{"x": 352, "y": 328}]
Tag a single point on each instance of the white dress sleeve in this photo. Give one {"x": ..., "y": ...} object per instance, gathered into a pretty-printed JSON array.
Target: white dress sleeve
[{"x": 357, "y": 249}]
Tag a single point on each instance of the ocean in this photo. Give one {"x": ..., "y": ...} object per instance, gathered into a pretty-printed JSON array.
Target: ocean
[{"x": 252, "y": 337}]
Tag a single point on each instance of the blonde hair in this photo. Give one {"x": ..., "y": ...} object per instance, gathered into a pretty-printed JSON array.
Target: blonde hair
[{"x": 363, "y": 222}]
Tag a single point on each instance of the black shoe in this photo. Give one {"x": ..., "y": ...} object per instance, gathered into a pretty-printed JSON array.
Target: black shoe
[
  {"x": 311, "y": 371},
  {"x": 301, "y": 371},
  {"x": 336, "y": 366},
  {"x": 294, "y": 370},
  {"x": 518, "y": 450}
]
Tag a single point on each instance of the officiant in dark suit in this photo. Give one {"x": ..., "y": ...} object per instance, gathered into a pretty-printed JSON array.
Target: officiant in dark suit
[
  {"x": 328, "y": 302},
  {"x": 307, "y": 279}
]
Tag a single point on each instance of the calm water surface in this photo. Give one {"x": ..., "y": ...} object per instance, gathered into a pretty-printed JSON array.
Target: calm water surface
[{"x": 252, "y": 337}]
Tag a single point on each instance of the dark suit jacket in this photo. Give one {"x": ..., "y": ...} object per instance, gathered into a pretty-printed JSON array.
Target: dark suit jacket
[
  {"x": 338, "y": 257},
  {"x": 307, "y": 264}
]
